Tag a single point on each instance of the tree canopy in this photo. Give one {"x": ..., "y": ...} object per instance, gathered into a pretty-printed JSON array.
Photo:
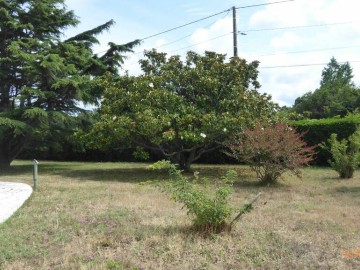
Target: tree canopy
[
  {"x": 337, "y": 94},
  {"x": 180, "y": 109},
  {"x": 42, "y": 77}
]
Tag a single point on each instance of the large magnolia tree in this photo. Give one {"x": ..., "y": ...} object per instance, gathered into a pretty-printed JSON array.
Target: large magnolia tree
[
  {"x": 42, "y": 76},
  {"x": 181, "y": 109}
]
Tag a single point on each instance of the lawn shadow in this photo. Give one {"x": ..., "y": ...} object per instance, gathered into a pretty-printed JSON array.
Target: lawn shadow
[
  {"x": 17, "y": 170},
  {"x": 131, "y": 175},
  {"x": 43, "y": 167},
  {"x": 135, "y": 174},
  {"x": 188, "y": 231},
  {"x": 353, "y": 190},
  {"x": 334, "y": 177},
  {"x": 118, "y": 172},
  {"x": 255, "y": 184}
]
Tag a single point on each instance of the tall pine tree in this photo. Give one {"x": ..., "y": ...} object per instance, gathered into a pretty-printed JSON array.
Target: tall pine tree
[{"x": 42, "y": 77}]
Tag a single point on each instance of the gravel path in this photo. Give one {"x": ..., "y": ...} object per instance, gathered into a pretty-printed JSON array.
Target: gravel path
[{"x": 12, "y": 196}]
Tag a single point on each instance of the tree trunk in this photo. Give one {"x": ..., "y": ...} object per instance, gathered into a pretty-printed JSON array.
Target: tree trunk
[
  {"x": 11, "y": 147},
  {"x": 185, "y": 159},
  {"x": 4, "y": 163},
  {"x": 4, "y": 159}
]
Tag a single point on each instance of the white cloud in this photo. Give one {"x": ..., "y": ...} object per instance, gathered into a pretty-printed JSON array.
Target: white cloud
[
  {"x": 217, "y": 37},
  {"x": 160, "y": 42},
  {"x": 338, "y": 10},
  {"x": 286, "y": 84},
  {"x": 200, "y": 37},
  {"x": 196, "y": 11},
  {"x": 287, "y": 39},
  {"x": 281, "y": 14}
]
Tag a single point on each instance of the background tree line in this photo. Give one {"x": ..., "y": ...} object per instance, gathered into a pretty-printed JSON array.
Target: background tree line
[{"x": 337, "y": 94}]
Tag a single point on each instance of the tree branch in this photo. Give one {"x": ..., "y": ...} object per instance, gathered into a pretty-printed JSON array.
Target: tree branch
[{"x": 246, "y": 208}]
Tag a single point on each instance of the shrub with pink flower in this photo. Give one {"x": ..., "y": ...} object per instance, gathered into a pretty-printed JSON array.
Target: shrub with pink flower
[{"x": 271, "y": 151}]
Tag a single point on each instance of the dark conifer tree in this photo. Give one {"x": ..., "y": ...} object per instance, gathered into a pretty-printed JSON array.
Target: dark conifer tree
[{"x": 42, "y": 76}]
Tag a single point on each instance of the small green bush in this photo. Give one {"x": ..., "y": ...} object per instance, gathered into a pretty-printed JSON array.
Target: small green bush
[
  {"x": 345, "y": 153},
  {"x": 210, "y": 210}
]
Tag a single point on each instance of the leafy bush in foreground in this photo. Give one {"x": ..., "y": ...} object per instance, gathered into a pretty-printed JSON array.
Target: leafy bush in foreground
[
  {"x": 271, "y": 151},
  {"x": 345, "y": 154},
  {"x": 210, "y": 211}
]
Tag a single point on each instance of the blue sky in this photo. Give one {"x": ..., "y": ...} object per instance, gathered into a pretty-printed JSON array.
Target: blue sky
[{"x": 322, "y": 29}]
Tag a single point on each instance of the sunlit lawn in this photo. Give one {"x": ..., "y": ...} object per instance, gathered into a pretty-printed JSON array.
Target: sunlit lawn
[{"x": 102, "y": 216}]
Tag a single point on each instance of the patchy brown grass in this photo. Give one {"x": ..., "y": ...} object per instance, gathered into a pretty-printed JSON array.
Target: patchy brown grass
[{"x": 100, "y": 216}]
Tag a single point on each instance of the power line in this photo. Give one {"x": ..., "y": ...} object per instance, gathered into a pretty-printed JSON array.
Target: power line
[
  {"x": 184, "y": 37},
  {"x": 292, "y": 52},
  {"x": 270, "y": 29},
  {"x": 265, "y": 4},
  {"x": 267, "y": 29},
  {"x": 310, "y": 51},
  {"x": 213, "y": 15},
  {"x": 177, "y": 40},
  {"x": 294, "y": 27},
  {"x": 308, "y": 65},
  {"x": 217, "y": 37},
  {"x": 181, "y": 26},
  {"x": 258, "y": 30},
  {"x": 207, "y": 17},
  {"x": 175, "y": 28},
  {"x": 172, "y": 42},
  {"x": 180, "y": 49}
]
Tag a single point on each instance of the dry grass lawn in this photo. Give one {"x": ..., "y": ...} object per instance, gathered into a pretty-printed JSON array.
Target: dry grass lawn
[{"x": 101, "y": 216}]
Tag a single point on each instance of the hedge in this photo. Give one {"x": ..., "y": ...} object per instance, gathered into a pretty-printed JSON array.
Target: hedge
[{"x": 317, "y": 131}]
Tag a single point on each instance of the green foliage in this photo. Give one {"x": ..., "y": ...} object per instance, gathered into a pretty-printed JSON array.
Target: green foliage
[
  {"x": 181, "y": 109},
  {"x": 286, "y": 114},
  {"x": 337, "y": 94},
  {"x": 317, "y": 131},
  {"x": 271, "y": 151},
  {"x": 41, "y": 76},
  {"x": 141, "y": 154},
  {"x": 345, "y": 153},
  {"x": 18, "y": 127},
  {"x": 210, "y": 210},
  {"x": 336, "y": 74},
  {"x": 114, "y": 264},
  {"x": 54, "y": 139}
]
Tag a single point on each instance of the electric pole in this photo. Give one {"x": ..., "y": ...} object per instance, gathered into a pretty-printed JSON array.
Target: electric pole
[{"x": 234, "y": 32}]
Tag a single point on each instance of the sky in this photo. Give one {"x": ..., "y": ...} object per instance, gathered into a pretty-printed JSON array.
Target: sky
[{"x": 293, "y": 40}]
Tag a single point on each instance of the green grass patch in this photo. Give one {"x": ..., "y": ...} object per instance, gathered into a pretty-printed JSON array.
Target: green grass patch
[{"x": 100, "y": 216}]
